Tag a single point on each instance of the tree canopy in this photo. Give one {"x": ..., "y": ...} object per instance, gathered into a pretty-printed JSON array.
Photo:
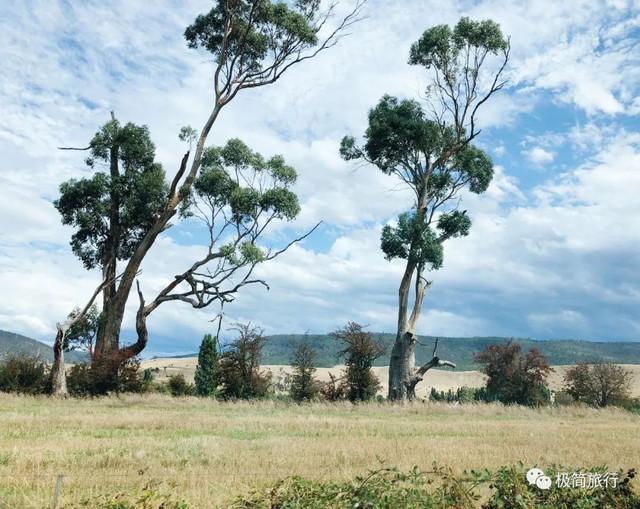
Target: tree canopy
[
  {"x": 401, "y": 140},
  {"x": 120, "y": 201}
]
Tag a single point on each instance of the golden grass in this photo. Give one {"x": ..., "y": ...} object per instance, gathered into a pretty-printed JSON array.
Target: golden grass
[{"x": 215, "y": 450}]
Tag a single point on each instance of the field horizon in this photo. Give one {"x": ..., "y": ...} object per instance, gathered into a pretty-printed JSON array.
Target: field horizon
[
  {"x": 207, "y": 452},
  {"x": 440, "y": 379}
]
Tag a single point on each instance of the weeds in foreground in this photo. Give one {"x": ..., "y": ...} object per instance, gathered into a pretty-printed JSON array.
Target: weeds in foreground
[{"x": 390, "y": 488}]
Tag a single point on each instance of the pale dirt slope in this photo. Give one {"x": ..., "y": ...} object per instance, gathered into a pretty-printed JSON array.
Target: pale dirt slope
[{"x": 442, "y": 380}]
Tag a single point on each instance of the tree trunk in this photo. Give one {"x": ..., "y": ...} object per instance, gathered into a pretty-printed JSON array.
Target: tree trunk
[
  {"x": 58, "y": 375},
  {"x": 401, "y": 366},
  {"x": 402, "y": 361},
  {"x": 108, "y": 336}
]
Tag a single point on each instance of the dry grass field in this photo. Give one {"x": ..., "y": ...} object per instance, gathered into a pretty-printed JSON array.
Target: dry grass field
[
  {"x": 441, "y": 379},
  {"x": 213, "y": 450}
]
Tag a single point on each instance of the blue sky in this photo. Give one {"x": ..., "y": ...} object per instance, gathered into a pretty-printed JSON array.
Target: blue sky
[{"x": 553, "y": 249}]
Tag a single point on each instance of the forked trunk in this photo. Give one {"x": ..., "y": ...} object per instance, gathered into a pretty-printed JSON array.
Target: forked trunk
[{"x": 403, "y": 359}]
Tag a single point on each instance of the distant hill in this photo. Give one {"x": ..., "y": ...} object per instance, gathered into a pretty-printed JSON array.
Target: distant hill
[
  {"x": 12, "y": 343},
  {"x": 459, "y": 350}
]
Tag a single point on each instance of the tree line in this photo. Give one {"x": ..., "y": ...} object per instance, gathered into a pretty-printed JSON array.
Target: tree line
[{"x": 233, "y": 372}]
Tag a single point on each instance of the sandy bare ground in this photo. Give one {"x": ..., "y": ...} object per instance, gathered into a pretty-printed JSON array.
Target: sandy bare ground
[{"x": 442, "y": 380}]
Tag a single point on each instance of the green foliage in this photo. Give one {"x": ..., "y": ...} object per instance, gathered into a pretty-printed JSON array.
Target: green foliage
[
  {"x": 401, "y": 140},
  {"x": 114, "y": 374},
  {"x": 461, "y": 395},
  {"x": 512, "y": 491},
  {"x": 514, "y": 377},
  {"x": 433, "y": 155},
  {"x": 414, "y": 240},
  {"x": 599, "y": 384},
  {"x": 303, "y": 386},
  {"x": 359, "y": 352},
  {"x": 246, "y": 189},
  {"x": 134, "y": 185},
  {"x": 257, "y": 28},
  {"x": 24, "y": 374},
  {"x": 439, "y": 488},
  {"x": 188, "y": 134},
  {"x": 398, "y": 138},
  {"x": 82, "y": 333},
  {"x": 442, "y": 47},
  {"x": 240, "y": 374},
  {"x": 334, "y": 389},
  {"x": 386, "y": 488},
  {"x": 207, "y": 376},
  {"x": 178, "y": 386}
]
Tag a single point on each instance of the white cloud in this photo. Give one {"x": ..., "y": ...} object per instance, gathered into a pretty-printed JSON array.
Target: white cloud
[
  {"x": 539, "y": 156},
  {"x": 82, "y": 60}
]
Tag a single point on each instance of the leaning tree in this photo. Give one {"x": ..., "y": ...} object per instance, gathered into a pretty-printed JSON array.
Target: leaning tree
[
  {"x": 119, "y": 212},
  {"x": 430, "y": 150}
]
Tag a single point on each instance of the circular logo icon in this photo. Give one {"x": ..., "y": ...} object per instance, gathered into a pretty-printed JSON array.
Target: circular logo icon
[
  {"x": 533, "y": 474},
  {"x": 543, "y": 482}
]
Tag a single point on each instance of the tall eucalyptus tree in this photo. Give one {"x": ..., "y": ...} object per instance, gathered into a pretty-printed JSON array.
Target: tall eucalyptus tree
[{"x": 431, "y": 151}]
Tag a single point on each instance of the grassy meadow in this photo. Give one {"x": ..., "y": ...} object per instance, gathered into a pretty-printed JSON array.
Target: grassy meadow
[{"x": 213, "y": 451}]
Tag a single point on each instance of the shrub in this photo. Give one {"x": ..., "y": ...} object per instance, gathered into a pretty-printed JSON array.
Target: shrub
[
  {"x": 303, "y": 387},
  {"x": 511, "y": 490},
  {"x": 106, "y": 376},
  {"x": 515, "y": 377},
  {"x": 178, "y": 386},
  {"x": 563, "y": 398},
  {"x": 154, "y": 495},
  {"x": 24, "y": 374},
  {"x": 334, "y": 389},
  {"x": 599, "y": 384},
  {"x": 461, "y": 395},
  {"x": 240, "y": 374},
  {"x": 207, "y": 376},
  {"x": 359, "y": 353},
  {"x": 389, "y": 488}
]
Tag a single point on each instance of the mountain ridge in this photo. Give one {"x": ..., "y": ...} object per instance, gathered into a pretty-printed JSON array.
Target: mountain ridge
[
  {"x": 278, "y": 349},
  {"x": 12, "y": 343}
]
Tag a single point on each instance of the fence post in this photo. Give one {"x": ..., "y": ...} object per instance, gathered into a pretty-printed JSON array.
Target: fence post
[{"x": 56, "y": 494}]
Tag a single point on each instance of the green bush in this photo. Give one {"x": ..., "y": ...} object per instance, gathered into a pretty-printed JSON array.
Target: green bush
[
  {"x": 632, "y": 405},
  {"x": 461, "y": 395},
  {"x": 240, "y": 374},
  {"x": 104, "y": 377},
  {"x": 207, "y": 375},
  {"x": 388, "y": 488},
  {"x": 511, "y": 490},
  {"x": 25, "y": 374},
  {"x": 303, "y": 386},
  {"x": 563, "y": 398},
  {"x": 178, "y": 386}
]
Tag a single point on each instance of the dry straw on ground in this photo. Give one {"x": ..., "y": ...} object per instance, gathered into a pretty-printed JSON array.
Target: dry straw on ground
[{"x": 215, "y": 450}]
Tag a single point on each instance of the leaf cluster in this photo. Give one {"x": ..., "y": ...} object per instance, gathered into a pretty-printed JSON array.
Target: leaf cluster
[{"x": 128, "y": 180}]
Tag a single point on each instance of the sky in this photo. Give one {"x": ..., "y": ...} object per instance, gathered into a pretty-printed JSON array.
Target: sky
[{"x": 553, "y": 250}]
